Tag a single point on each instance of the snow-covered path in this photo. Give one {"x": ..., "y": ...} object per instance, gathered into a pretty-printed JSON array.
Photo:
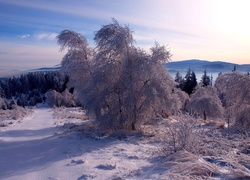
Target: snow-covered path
[
  {"x": 30, "y": 149},
  {"x": 36, "y": 148}
]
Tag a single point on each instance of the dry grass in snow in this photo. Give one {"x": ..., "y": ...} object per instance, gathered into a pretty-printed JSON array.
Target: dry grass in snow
[
  {"x": 203, "y": 150},
  {"x": 8, "y": 117}
]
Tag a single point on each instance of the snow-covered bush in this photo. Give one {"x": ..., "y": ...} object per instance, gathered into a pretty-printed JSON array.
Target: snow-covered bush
[
  {"x": 117, "y": 83},
  {"x": 3, "y": 104},
  {"x": 179, "y": 135},
  {"x": 22, "y": 100},
  {"x": 233, "y": 88},
  {"x": 19, "y": 112},
  {"x": 185, "y": 165},
  {"x": 234, "y": 92},
  {"x": 181, "y": 98},
  {"x": 68, "y": 99},
  {"x": 52, "y": 98},
  {"x": 243, "y": 118},
  {"x": 205, "y": 103},
  {"x": 55, "y": 98}
]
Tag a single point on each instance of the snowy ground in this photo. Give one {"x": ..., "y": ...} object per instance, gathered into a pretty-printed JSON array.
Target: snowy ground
[
  {"x": 37, "y": 148},
  {"x": 58, "y": 144}
]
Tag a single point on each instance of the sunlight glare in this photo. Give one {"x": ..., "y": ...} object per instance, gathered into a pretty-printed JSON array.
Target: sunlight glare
[{"x": 233, "y": 17}]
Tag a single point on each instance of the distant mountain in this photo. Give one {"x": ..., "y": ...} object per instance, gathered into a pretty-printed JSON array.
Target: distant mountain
[
  {"x": 47, "y": 69},
  {"x": 10, "y": 73},
  {"x": 201, "y": 65}
]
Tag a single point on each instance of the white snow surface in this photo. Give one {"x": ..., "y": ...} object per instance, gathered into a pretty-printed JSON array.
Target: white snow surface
[
  {"x": 34, "y": 148},
  {"x": 63, "y": 144}
]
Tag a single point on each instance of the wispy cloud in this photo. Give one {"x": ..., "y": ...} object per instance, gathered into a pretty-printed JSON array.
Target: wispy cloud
[
  {"x": 39, "y": 36},
  {"x": 45, "y": 36},
  {"x": 100, "y": 13},
  {"x": 24, "y": 36}
]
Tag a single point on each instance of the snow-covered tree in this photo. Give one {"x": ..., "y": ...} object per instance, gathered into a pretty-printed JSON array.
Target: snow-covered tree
[
  {"x": 181, "y": 99},
  {"x": 234, "y": 92},
  {"x": 206, "y": 103},
  {"x": 55, "y": 98},
  {"x": 22, "y": 100},
  {"x": 78, "y": 62},
  {"x": 234, "y": 89},
  {"x": 29, "y": 89},
  {"x": 243, "y": 118},
  {"x": 3, "y": 104},
  {"x": 1, "y": 90},
  {"x": 118, "y": 84}
]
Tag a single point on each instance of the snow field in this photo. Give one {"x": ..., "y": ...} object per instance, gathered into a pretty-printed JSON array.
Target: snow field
[{"x": 62, "y": 144}]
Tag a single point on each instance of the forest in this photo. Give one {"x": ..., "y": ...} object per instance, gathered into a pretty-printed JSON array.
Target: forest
[{"x": 29, "y": 89}]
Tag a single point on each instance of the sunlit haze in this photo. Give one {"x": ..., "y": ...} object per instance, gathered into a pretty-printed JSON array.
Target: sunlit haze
[{"x": 214, "y": 30}]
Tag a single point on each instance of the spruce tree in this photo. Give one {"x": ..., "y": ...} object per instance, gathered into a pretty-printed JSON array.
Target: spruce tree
[
  {"x": 205, "y": 79},
  {"x": 179, "y": 79},
  {"x": 190, "y": 82}
]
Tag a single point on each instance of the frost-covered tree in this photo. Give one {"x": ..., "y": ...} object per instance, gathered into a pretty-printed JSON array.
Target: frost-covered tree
[
  {"x": 116, "y": 82},
  {"x": 234, "y": 89},
  {"x": 55, "y": 98},
  {"x": 243, "y": 118},
  {"x": 22, "y": 100},
  {"x": 78, "y": 62},
  {"x": 206, "y": 103},
  {"x": 2, "y": 93},
  {"x": 29, "y": 89},
  {"x": 234, "y": 92},
  {"x": 3, "y": 104},
  {"x": 181, "y": 99}
]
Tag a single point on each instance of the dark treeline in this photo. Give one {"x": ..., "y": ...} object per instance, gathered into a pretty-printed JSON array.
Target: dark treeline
[
  {"x": 189, "y": 82},
  {"x": 29, "y": 89}
]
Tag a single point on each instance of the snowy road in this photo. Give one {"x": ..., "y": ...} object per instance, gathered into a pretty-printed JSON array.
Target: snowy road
[
  {"x": 30, "y": 149},
  {"x": 36, "y": 148}
]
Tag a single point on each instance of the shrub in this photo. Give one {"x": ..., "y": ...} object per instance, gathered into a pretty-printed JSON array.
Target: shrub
[
  {"x": 55, "y": 98},
  {"x": 234, "y": 89},
  {"x": 179, "y": 135},
  {"x": 243, "y": 118},
  {"x": 206, "y": 103},
  {"x": 3, "y": 104},
  {"x": 234, "y": 92}
]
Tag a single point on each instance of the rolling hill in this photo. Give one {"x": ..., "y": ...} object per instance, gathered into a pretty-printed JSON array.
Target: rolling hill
[{"x": 201, "y": 65}]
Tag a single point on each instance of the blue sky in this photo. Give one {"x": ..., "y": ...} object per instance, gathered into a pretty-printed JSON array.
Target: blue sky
[{"x": 192, "y": 29}]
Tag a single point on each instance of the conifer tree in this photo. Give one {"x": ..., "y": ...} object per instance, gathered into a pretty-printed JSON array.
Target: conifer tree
[
  {"x": 190, "y": 82},
  {"x": 178, "y": 77},
  {"x": 205, "y": 79}
]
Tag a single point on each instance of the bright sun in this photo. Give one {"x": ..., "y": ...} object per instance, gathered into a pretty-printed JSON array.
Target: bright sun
[{"x": 233, "y": 17}]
